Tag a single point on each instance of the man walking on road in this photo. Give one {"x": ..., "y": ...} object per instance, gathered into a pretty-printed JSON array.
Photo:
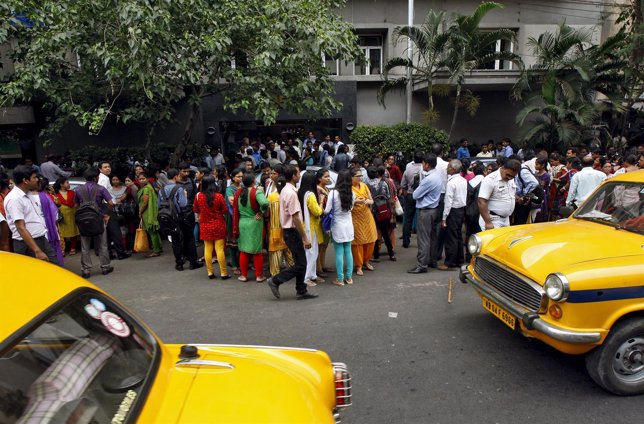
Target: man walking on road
[{"x": 294, "y": 237}]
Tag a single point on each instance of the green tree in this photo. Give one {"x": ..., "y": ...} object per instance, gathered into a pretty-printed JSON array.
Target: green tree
[{"x": 134, "y": 61}]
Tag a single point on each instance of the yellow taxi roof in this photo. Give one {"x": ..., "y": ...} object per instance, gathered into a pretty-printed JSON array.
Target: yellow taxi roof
[
  {"x": 631, "y": 177},
  {"x": 28, "y": 286}
]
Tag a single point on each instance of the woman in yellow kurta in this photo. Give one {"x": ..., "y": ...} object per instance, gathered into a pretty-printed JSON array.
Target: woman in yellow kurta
[
  {"x": 364, "y": 226},
  {"x": 67, "y": 205},
  {"x": 277, "y": 249},
  {"x": 308, "y": 195}
]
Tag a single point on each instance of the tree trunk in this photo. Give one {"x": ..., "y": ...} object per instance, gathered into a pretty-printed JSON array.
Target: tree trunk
[
  {"x": 148, "y": 142},
  {"x": 457, "y": 105},
  {"x": 180, "y": 149}
]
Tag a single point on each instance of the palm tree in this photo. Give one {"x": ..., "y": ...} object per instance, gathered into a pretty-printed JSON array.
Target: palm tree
[
  {"x": 578, "y": 84},
  {"x": 429, "y": 54},
  {"x": 469, "y": 49}
]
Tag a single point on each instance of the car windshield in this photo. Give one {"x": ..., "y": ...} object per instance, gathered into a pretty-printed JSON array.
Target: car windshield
[
  {"x": 86, "y": 363},
  {"x": 619, "y": 204}
]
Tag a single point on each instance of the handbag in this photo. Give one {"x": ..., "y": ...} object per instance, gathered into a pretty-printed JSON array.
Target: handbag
[
  {"x": 398, "y": 208},
  {"x": 327, "y": 219},
  {"x": 141, "y": 244}
]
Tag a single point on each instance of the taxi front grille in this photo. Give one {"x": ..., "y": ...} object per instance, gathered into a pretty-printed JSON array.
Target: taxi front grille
[{"x": 527, "y": 294}]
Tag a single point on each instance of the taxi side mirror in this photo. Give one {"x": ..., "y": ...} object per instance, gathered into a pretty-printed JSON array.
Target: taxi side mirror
[{"x": 566, "y": 211}]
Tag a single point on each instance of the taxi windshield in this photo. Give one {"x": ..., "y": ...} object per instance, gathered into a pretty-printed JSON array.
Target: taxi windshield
[
  {"x": 618, "y": 204},
  {"x": 87, "y": 362}
]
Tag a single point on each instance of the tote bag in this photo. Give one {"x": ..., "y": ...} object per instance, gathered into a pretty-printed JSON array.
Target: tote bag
[
  {"x": 327, "y": 220},
  {"x": 141, "y": 244}
]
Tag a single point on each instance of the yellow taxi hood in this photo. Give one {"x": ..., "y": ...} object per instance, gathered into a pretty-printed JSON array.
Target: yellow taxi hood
[
  {"x": 239, "y": 384},
  {"x": 29, "y": 286},
  {"x": 537, "y": 250}
]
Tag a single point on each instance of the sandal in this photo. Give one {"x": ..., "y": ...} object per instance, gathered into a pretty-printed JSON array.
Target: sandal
[
  {"x": 260, "y": 279},
  {"x": 349, "y": 281},
  {"x": 236, "y": 271},
  {"x": 153, "y": 255},
  {"x": 72, "y": 252},
  {"x": 242, "y": 278},
  {"x": 359, "y": 271},
  {"x": 369, "y": 266},
  {"x": 338, "y": 283}
]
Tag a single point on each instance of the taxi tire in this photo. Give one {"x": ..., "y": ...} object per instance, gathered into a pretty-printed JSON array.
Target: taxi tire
[{"x": 599, "y": 362}]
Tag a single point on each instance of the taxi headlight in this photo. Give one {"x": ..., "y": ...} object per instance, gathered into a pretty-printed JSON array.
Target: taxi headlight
[
  {"x": 474, "y": 245},
  {"x": 557, "y": 287}
]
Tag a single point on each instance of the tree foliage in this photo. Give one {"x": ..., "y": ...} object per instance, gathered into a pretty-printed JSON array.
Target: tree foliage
[
  {"x": 377, "y": 140},
  {"x": 134, "y": 60}
]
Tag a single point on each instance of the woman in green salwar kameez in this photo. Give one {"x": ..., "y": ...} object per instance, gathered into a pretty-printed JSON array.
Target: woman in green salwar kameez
[
  {"x": 250, "y": 206},
  {"x": 148, "y": 211}
]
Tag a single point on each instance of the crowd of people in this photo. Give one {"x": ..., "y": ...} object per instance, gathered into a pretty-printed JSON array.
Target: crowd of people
[{"x": 265, "y": 199}]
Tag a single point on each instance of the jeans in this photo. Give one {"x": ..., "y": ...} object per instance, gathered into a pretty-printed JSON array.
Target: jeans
[
  {"x": 294, "y": 243},
  {"x": 100, "y": 243},
  {"x": 183, "y": 244}
]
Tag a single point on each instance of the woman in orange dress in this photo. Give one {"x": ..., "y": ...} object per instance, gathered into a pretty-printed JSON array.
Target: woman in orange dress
[{"x": 364, "y": 225}]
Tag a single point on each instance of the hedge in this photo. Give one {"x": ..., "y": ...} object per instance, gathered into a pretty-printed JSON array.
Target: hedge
[{"x": 377, "y": 140}]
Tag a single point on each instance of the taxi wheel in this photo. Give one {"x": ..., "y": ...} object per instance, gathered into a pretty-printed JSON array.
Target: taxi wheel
[{"x": 618, "y": 365}]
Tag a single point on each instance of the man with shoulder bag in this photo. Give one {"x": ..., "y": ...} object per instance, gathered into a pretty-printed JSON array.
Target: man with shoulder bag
[{"x": 94, "y": 204}]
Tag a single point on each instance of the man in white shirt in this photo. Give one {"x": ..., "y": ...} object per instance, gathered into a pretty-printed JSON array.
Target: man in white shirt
[
  {"x": 453, "y": 215},
  {"x": 441, "y": 167},
  {"x": 497, "y": 196},
  {"x": 584, "y": 182},
  {"x": 485, "y": 152},
  {"x": 52, "y": 171},
  {"x": 25, "y": 218}
]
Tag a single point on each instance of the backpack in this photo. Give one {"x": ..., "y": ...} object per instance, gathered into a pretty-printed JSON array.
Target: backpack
[
  {"x": 381, "y": 209},
  {"x": 538, "y": 193},
  {"x": 472, "y": 203},
  {"x": 168, "y": 216},
  {"x": 89, "y": 218}
]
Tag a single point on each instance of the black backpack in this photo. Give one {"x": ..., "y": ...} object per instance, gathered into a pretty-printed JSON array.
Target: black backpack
[
  {"x": 538, "y": 192},
  {"x": 472, "y": 203},
  {"x": 89, "y": 218},
  {"x": 168, "y": 216},
  {"x": 381, "y": 209}
]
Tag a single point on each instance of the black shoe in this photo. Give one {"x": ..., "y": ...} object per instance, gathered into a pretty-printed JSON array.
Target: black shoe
[
  {"x": 124, "y": 256},
  {"x": 306, "y": 295},
  {"x": 225, "y": 277},
  {"x": 196, "y": 265},
  {"x": 376, "y": 260},
  {"x": 274, "y": 288},
  {"x": 112, "y": 256},
  {"x": 406, "y": 245},
  {"x": 107, "y": 270},
  {"x": 85, "y": 274},
  {"x": 393, "y": 258},
  {"x": 417, "y": 270},
  {"x": 211, "y": 276},
  {"x": 179, "y": 267}
]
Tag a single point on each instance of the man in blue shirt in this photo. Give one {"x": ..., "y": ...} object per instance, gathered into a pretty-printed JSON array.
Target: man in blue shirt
[
  {"x": 183, "y": 242},
  {"x": 463, "y": 151},
  {"x": 526, "y": 183},
  {"x": 507, "y": 147},
  {"x": 427, "y": 196}
]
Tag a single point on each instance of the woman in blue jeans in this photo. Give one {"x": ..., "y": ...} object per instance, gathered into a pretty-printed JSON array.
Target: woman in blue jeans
[{"x": 340, "y": 200}]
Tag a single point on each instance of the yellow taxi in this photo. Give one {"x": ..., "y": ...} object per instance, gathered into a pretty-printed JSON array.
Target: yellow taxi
[
  {"x": 576, "y": 284},
  {"x": 70, "y": 353}
]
